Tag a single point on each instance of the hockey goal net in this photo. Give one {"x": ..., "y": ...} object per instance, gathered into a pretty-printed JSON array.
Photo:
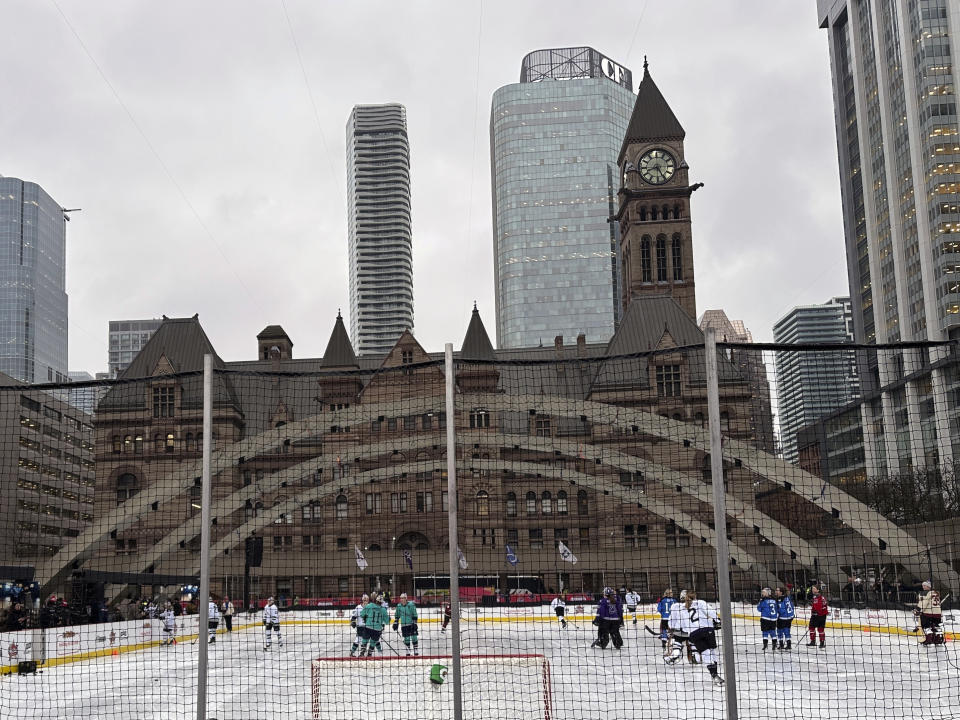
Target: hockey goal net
[{"x": 502, "y": 686}]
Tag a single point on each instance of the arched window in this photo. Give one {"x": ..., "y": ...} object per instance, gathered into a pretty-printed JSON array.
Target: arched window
[
  {"x": 158, "y": 443},
  {"x": 128, "y": 443},
  {"x": 127, "y": 486},
  {"x": 546, "y": 502},
  {"x": 138, "y": 444},
  {"x": 117, "y": 442},
  {"x": 676, "y": 212},
  {"x": 483, "y": 503},
  {"x": 341, "y": 505},
  {"x": 511, "y": 505},
  {"x": 190, "y": 447},
  {"x": 661, "y": 258},
  {"x": 531, "y": 503},
  {"x": 583, "y": 505},
  {"x": 677, "y": 257},
  {"x": 653, "y": 213},
  {"x": 645, "y": 266},
  {"x": 643, "y": 213},
  {"x": 562, "y": 502},
  {"x": 666, "y": 212},
  {"x": 170, "y": 444}
]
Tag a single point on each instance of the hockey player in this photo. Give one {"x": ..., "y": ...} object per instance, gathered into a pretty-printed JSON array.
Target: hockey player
[
  {"x": 356, "y": 622},
  {"x": 609, "y": 620},
  {"x": 930, "y": 614},
  {"x": 785, "y": 615},
  {"x": 767, "y": 607},
  {"x": 228, "y": 611},
  {"x": 169, "y": 624},
  {"x": 678, "y": 638},
  {"x": 374, "y": 617},
  {"x": 213, "y": 620},
  {"x": 699, "y": 621},
  {"x": 271, "y": 621},
  {"x": 405, "y": 620},
  {"x": 663, "y": 607},
  {"x": 559, "y": 608},
  {"x": 631, "y": 600},
  {"x": 818, "y": 616},
  {"x": 447, "y": 614}
]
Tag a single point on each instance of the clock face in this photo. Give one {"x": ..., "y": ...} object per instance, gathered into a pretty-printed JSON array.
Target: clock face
[{"x": 657, "y": 166}]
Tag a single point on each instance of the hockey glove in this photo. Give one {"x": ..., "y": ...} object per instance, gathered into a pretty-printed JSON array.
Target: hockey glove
[
  {"x": 353, "y": 622},
  {"x": 396, "y": 626},
  {"x": 596, "y": 621},
  {"x": 716, "y": 624}
]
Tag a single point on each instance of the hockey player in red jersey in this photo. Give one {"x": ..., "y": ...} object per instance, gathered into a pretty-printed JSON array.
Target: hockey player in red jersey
[
  {"x": 818, "y": 616},
  {"x": 447, "y": 614}
]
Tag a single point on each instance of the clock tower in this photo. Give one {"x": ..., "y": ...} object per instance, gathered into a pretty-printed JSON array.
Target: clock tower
[{"x": 656, "y": 245}]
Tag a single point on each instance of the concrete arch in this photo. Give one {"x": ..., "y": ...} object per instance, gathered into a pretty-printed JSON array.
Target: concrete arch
[{"x": 875, "y": 528}]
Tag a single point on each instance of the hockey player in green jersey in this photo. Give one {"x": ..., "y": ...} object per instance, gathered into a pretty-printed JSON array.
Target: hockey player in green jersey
[
  {"x": 405, "y": 619},
  {"x": 374, "y": 618}
]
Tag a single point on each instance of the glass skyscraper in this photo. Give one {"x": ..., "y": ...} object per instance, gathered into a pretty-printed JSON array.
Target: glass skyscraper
[
  {"x": 898, "y": 141},
  {"x": 378, "y": 216},
  {"x": 33, "y": 298},
  {"x": 127, "y": 338},
  {"x": 554, "y": 141}
]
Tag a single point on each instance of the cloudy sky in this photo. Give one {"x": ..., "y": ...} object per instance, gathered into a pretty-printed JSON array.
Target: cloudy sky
[{"x": 205, "y": 143}]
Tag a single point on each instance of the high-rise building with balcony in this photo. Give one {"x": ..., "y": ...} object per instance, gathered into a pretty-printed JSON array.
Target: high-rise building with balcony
[
  {"x": 33, "y": 297},
  {"x": 127, "y": 338},
  {"x": 378, "y": 215},
  {"x": 898, "y": 141},
  {"x": 555, "y": 138}
]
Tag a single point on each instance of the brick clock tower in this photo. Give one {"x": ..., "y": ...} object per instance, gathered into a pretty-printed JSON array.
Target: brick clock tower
[{"x": 656, "y": 245}]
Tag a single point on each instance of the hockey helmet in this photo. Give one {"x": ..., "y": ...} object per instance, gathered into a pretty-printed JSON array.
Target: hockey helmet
[{"x": 608, "y": 591}]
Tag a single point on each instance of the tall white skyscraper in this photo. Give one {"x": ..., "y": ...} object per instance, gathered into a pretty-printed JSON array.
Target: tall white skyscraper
[{"x": 378, "y": 213}]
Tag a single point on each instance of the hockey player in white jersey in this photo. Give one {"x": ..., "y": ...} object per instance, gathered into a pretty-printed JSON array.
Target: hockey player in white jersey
[
  {"x": 169, "y": 624},
  {"x": 559, "y": 608},
  {"x": 213, "y": 620},
  {"x": 631, "y": 600},
  {"x": 357, "y": 623},
  {"x": 271, "y": 621},
  {"x": 698, "y": 620}
]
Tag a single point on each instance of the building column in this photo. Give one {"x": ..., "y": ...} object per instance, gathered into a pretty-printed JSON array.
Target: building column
[
  {"x": 912, "y": 363},
  {"x": 943, "y": 407},
  {"x": 887, "y": 376},
  {"x": 871, "y": 462}
]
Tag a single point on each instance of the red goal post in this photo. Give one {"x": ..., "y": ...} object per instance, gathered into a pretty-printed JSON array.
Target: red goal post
[{"x": 505, "y": 686}]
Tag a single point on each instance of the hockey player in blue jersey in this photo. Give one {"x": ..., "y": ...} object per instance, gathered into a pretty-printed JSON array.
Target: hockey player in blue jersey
[
  {"x": 767, "y": 607},
  {"x": 663, "y": 607},
  {"x": 785, "y": 615}
]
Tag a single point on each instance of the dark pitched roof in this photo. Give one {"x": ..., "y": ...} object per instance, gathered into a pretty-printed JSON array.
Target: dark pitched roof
[
  {"x": 271, "y": 332},
  {"x": 645, "y": 322},
  {"x": 476, "y": 343},
  {"x": 339, "y": 352},
  {"x": 652, "y": 117}
]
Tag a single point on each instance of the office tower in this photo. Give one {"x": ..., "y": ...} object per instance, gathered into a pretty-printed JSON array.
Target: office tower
[
  {"x": 754, "y": 370},
  {"x": 554, "y": 141},
  {"x": 813, "y": 384},
  {"x": 898, "y": 141},
  {"x": 33, "y": 298},
  {"x": 378, "y": 214},
  {"x": 127, "y": 337}
]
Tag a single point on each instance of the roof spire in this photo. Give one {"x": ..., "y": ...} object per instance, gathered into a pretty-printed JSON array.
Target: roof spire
[
  {"x": 475, "y": 306},
  {"x": 645, "y": 71},
  {"x": 338, "y": 313}
]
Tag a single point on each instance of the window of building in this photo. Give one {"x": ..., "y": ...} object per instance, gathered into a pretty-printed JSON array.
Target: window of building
[
  {"x": 546, "y": 503},
  {"x": 645, "y": 265},
  {"x": 536, "y": 538},
  {"x": 561, "y": 535},
  {"x": 486, "y": 536},
  {"x": 479, "y": 418},
  {"x": 511, "y": 505},
  {"x": 725, "y": 422},
  {"x": 189, "y": 445},
  {"x": 661, "y": 258},
  {"x": 677, "y": 257},
  {"x": 531, "y": 503},
  {"x": 424, "y": 502},
  {"x": 583, "y": 505},
  {"x": 169, "y": 443},
  {"x": 311, "y": 541},
  {"x": 398, "y": 502},
  {"x": 373, "y": 501},
  {"x": 391, "y": 423},
  {"x": 677, "y": 537},
  {"x": 562, "y": 502},
  {"x": 426, "y": 421},
  {"x": 127, "y": 486},
  {"x": 483, "y": 503},
  {"x": 410, "y": 422},
  {"x": 343, "y": 584},
  {"x": 668, "y": 380},
  {"x": 512, "y": 537},
  {"x": 342, "y": 544},
  {"x": 163, "y": 398},
  {"x": 341, "y": 507},
  {"x": 444, "y": 504},
  {"x": 635, "y": 536},
  {"x": 117, "y": 443},
  {"x": 542, "y": 426},
  {"x": 583, "y": 535},
  {"x": 406, "y": 357}
]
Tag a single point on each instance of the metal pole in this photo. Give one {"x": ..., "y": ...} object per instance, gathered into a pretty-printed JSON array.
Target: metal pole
[
  {"x": 452, "y": 520},
  {"x": 720, "y": 522},
  {"x": 203, "y": 605}
]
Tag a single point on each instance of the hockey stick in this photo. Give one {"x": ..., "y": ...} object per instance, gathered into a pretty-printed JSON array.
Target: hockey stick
[
  {"x": 651, "y": 631},
  {"x": 384, "y": 641}
]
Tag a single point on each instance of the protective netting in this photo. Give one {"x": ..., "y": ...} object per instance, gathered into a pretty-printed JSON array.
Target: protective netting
[{"x": 587, "y": 563}]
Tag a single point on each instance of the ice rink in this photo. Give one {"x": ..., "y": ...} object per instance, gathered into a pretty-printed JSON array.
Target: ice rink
[{"x": 878, "y": 673}]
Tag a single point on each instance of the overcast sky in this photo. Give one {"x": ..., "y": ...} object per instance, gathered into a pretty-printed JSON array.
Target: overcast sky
[{"x": 210, "y": 164}]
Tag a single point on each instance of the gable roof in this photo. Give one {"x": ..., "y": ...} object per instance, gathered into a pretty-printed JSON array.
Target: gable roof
[
  {"x": 339, "y": 352},
  {"x": 271, "y": 332},
  {"x": 476, "y": 343},
  {"x": 647, "y": 320},
  {"x": 652, "y": 118}
]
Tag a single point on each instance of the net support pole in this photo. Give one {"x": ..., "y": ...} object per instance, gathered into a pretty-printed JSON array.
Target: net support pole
[
  {"x": 203, "y": 605},
  {"x": 452, "y": 519},
  {"x": 720, "y": 522}
]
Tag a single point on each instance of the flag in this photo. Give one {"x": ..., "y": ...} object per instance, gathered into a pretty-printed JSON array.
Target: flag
[
  {"x": 823, "y": 490},
  {"x": 565, "y": 553},
  {"x": 511, "y": 556},
  {"x": 461, "y": 560},
  {"x": 361, "y": 560},
  {"x": 408, "y": 558}
]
